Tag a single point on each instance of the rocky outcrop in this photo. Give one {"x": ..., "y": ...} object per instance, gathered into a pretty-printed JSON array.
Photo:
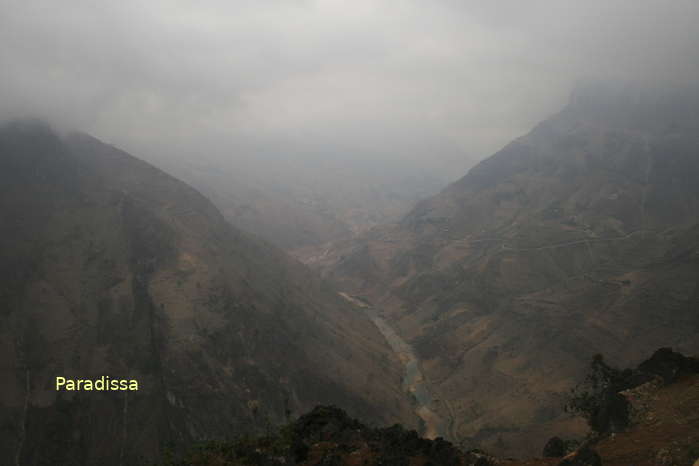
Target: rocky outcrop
[
  {"x": 328, "y": 436},
  {"x": 669, "y": 365}
]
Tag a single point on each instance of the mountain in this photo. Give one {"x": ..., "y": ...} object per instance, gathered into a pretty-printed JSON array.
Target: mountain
[
  {"x": 296, "y": 201},
  {"x": 580, "y": 237},
  {"x": 111, "y": 268}
]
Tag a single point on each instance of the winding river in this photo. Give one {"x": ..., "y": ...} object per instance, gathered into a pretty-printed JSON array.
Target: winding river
[{"x": 413, "y": 380}]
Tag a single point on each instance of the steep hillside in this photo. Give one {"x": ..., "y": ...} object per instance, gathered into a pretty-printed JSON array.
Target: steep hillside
[
  {"x": 109, "y": 267},
  {"x": 580, "y": 237}
]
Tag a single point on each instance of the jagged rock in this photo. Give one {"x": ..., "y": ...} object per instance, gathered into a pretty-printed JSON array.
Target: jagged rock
[
  {"x": 330, "y": 430},
  {"x": 640, "y": 398},
  {"x": 582, "y": 457},
  {"x": 325, "y": 423},
  {"x": 669, "y": 365},
  {"x": 555, "y": 448},
  {"x": 612, "y": 415},
  {"x": 617, "y": 402}
]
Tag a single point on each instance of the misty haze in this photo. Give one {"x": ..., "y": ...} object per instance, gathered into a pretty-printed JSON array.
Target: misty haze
[{"x": 314, "y": 232}]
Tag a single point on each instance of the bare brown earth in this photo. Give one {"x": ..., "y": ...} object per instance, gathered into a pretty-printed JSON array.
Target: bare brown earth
[
  {"x": 581, "y": 237},
  {"x": 109, "y": 266},
  {"x": 665, "y": 429}
]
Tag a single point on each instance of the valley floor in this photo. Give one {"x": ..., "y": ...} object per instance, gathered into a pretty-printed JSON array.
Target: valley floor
[{"x": 414, "y": 382}]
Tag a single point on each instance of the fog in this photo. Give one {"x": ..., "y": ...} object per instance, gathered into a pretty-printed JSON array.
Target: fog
[{"x": 412, "y": 79}]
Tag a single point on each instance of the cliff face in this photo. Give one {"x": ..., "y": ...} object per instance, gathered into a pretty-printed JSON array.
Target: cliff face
[
  {"x": 110, "y": 267},
  {"x": 580, "y": 237}
]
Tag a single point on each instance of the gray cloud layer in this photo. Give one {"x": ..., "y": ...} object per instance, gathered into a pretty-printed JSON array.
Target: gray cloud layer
[{"x": 412, "y": 78}]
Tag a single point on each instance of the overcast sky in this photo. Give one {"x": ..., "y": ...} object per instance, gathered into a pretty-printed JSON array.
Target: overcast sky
[{"x": 415, "y": 78}]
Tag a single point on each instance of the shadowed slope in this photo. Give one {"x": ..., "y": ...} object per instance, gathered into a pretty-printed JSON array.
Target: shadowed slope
[{"x": 111, "y": 267}]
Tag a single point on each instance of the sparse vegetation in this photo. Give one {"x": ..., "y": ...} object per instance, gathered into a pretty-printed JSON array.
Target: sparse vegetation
[
  {"x": 328, "y": 436},
  {"x": 597, "y": 398}
]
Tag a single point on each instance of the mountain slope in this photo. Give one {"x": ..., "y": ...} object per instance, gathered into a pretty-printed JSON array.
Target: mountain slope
[
  {"x": 109, "y": 267},
  {"x": 295, "y": 201},
  {"x": 580, "y": 237}
]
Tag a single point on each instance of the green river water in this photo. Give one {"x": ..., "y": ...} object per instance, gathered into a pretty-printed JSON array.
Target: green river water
[{"x": 413, "y": 381}]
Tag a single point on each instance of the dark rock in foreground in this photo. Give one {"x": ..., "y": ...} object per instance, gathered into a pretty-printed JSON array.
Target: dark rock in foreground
[
  {"x": 328, "y": 436},
  {"x": 669, "y": 365}
]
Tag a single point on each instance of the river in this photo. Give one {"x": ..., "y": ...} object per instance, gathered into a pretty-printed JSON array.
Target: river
[{"x": 413, "y": 380}]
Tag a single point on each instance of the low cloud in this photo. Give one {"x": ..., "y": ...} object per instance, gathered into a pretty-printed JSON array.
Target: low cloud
[{"x": 405, "y": 79}]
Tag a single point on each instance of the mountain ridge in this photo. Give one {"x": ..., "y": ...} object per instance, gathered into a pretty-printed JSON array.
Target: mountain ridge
[
  {"x": 112, "y": 267},
  {"x": 578, "y": 237}
]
